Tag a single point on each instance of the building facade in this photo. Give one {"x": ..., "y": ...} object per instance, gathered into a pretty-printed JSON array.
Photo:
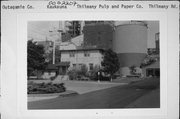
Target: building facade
[
  {"x": 157, "y": 42},
  {"x": 80, "y": 57},
  {"x": 152, "y": 70}
]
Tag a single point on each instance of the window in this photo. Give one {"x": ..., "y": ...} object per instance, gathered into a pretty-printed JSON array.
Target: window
[
  {"x": 90, "y": 66},
  {"x": 74, "y": 65},
  {"x": 86, "y": 54},
  {"x": 71, "y": 54},
  {"x": 80, "y": 66}
]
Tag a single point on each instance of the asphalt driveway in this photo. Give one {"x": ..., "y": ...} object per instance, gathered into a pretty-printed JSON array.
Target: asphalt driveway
[
  {"x": 80, "y": 87},
  {"x": 114, "y": 97}
]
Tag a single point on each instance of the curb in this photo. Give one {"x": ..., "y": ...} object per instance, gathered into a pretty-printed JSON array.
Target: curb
[{"x": 63, "y": 94}]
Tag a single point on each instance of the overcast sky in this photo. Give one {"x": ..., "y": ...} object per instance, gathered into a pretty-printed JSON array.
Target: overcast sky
[{"x": 39, "y": 30}]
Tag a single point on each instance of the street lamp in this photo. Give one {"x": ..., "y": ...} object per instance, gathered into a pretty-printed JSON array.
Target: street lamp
[{"x": 98, "y": 76}]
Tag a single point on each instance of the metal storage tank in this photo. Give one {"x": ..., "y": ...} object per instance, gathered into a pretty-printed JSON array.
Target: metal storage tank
[{"x": 130, "y": 43}]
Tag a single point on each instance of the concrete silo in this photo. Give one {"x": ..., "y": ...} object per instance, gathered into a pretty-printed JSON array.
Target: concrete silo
[{"x": 130, "y": 43}]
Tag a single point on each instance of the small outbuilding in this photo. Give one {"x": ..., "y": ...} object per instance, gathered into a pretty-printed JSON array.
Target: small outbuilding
[
  {"x": 54, "y": 70},
  {"x": 152, "y": 69},
  {"x": 62, "y": 67}
]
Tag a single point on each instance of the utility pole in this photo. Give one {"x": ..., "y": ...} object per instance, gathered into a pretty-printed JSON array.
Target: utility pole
[{"x": 57, "y": 32}]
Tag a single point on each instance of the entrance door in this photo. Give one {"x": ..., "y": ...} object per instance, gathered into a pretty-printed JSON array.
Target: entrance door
[
  {"x": 64, "y": 70},
  {"x": 157, "y": 72},
  {"x": 149, "y": 72},
  {"x": 153, "y": 72}
]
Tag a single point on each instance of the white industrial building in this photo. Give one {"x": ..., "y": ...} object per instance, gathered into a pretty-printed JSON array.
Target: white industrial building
[
  {"x": 79, "y": 57},
  {"x": 76, "y": 55}
]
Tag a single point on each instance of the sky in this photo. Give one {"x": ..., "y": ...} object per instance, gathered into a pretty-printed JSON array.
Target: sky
[
  {"x": 39, "y": 30},
  {"x": 153, "y": 28}
]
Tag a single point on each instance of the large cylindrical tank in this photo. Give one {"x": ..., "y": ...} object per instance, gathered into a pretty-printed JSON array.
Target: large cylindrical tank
[{"x": 130, "y": 43}]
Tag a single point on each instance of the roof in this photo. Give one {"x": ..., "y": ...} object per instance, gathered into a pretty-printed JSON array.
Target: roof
[
  {"x": 78, "y": 40},
  {"x": 52, "y": 67},
  {"x": 67, "y": 46},
  {"x": 63, "y": 64},
  {"x": 55, "y": 66},
  {"x": 82, "y": 49}
]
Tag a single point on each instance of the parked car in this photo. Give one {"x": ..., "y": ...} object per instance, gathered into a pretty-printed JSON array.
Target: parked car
[{"x": 101, "y": 77}]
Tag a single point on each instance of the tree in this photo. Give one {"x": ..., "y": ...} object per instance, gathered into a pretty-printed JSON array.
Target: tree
[
  {"x": 133, "y": 70},
  {"x": 49, "y": 56},
  {"x": 93, "y": 73},
  {"x": 110, "y": 62},
  {"x": 148, "y": 60},
  {"x": 36, "y": 57},
  {"x": 83, "y": 70}
]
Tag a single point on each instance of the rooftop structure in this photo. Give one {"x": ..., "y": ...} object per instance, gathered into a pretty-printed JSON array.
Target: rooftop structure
[{"x": 98, "y": 35}]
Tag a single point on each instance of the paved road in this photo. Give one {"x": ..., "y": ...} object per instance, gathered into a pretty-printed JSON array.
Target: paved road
[
  {"x": 150, "y": 100},
  {"x": 114, "y": 97}
]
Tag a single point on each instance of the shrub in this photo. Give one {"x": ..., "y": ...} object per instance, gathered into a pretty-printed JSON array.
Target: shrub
[
  {"x": 52, "y": 78},
  {"x": 72, "y": 74},
  {"x": 148, "y": 60},
  {"x": 30, "y": 82},
  {"x": 45, "y": 88},
  {"x": 50, "y": 83},
  {"x": 101, "y": 77},
  {"x": 77, "y": 73},
  {"x": 133, "y": 70},
  {"x": 93, "y": 73},
  {"x": 83, "y": 70}
]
